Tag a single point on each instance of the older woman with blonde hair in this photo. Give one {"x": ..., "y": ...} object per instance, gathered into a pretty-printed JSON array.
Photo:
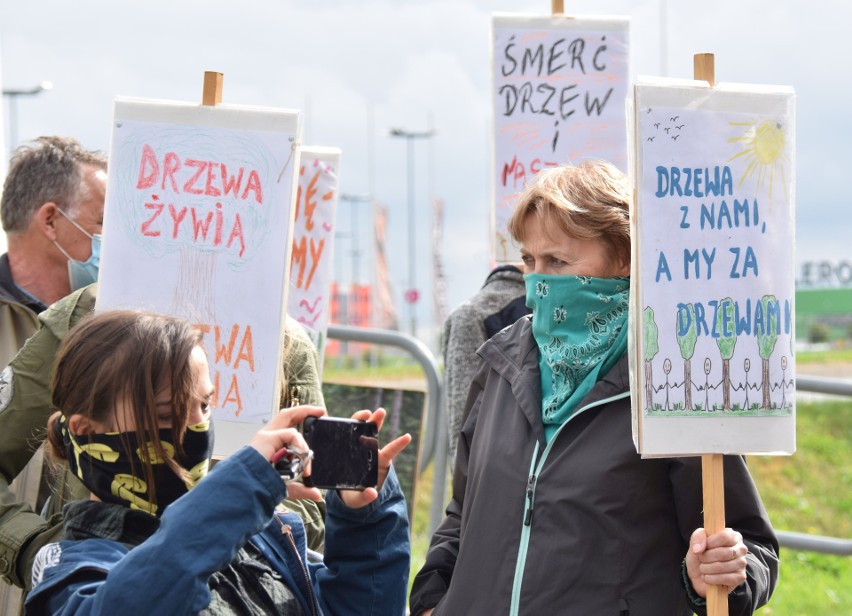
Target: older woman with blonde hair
[{"x": 553, "y": 511}]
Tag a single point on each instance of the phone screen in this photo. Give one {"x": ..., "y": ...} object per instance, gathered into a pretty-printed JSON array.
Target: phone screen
[{"x": 346, "y": 453}]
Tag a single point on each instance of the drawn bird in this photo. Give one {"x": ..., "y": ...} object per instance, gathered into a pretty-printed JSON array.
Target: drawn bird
[
  {"x": 674, "y": 119},
  {"x": 650, "y": 138},
  {"x": 667, "y": 129},
  {"x": 674, "y": 137},
  {"x": 656, "y": 125},
  {"x": 648, "y": 110},
  {"x": 681, "y": 126}
]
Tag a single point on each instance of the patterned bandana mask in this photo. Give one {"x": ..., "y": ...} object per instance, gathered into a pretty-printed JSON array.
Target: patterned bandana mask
[
  {"x": 102, "y": 464},
  {"x": 579, "y": 324}
]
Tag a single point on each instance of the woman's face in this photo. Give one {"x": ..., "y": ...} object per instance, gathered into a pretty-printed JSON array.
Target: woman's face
[
  {"x": 199, "y": 410},
  {"x": 552, "y": 251}
]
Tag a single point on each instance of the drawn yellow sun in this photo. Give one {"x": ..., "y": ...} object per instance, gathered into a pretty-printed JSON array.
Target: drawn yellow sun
[{"x": 764, "y": 151}]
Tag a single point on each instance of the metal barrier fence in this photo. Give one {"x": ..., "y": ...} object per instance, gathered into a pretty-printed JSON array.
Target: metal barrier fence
[
  {"x": 435, "y": 432},
  {"x": 434, "y": 443}
]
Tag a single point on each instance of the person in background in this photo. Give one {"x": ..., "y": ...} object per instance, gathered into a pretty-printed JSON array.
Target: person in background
[
  {"x": 52, "y": 211},
  {"x": 500, "y": 302},
  {"x": 133, "y": 391},
  {"x": 25, "y": 405},
  {"x": 553, "y": 510}
]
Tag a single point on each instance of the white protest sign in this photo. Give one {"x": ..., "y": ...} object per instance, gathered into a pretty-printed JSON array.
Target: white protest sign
[
  {"x": 713, "y": 276},
  {"x": 312, "y": 265},
  {"x": 558, "y": 91},
  {"x": 198, "y": 224}
]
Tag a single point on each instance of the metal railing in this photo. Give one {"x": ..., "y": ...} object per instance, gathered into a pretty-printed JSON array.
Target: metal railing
[
  {"x": 434, "y": 443},
  {"x": 435, "y": 437},
  {"x": 802, "y": 541}
]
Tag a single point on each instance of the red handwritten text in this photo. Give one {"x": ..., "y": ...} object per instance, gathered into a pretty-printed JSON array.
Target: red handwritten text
[
  {"x": 307, "y": 249},
  {"x": 226, "y": 363},
  {"x": 516, "y": 171},
  {"x": 196, "y": 226},
  {"x": 196, "y": 177}
]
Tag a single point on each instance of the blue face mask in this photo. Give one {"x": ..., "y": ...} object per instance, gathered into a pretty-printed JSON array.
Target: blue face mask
[{"x": 82, "y": 273}]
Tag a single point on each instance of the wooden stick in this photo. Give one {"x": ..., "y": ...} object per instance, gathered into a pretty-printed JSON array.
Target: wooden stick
[
  {"x": 557, "y": 6},
  {"x": 212, "y": 94},
  {"x": 713, "y": 481},
  {"x": 704, "y": 67},
  {"x": 712, "y": 471}
]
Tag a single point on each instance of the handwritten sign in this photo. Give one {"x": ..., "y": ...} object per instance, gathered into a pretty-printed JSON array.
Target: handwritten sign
[
  {"x": 558, "y": 92},
  {"x": 312, "y": 266},
  {"x": 198, "y": 223},
  {"x": 713, "y": 270}
]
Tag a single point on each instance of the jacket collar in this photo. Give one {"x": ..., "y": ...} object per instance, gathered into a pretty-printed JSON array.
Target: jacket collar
[
  {"x": 91, "y": 519},
  {"x": 513, "y": 354}
]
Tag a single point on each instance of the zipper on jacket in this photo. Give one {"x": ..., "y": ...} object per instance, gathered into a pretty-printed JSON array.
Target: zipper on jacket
[
  {"x": 523, "y": 544},
  {"x": 530, "y": 496},
  {"x": 536, "y": 466},
  {"x": 286, "y": 530}
]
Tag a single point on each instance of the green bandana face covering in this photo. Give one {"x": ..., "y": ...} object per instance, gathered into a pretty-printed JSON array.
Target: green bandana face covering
[
  {"x": 580, "y": 326},
  {"x": 102, "y": 464}
]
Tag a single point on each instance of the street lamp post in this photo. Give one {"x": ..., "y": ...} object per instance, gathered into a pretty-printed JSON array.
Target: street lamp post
[
  {"x": 411, "y": 293},
  {"x": 13, "y": 96},
  {"x": 354, "y": 200}
]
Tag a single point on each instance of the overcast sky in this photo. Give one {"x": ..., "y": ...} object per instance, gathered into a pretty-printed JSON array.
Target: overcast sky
[{"x": 408, "y": 64}]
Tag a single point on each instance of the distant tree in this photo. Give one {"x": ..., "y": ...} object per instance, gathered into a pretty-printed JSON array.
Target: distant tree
[
  {"x": 819, "y": 332},
  {"x": 726, "y": 344},
  {"x": 687, "y": 335},
  {"x": 767, "y": 335},
  {"x": 650, "y": 338}
]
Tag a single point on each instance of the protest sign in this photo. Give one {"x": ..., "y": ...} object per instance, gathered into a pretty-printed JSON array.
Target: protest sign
[
  {"x": 558, "y": 91},
  {"x": 198, "y": 224},
  {"x": 312, "y": 265},
  {"x": 712, "y": 312}
]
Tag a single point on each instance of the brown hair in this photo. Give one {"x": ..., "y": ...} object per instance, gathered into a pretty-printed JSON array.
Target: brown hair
[
  {"x": 126, "y": 357},
  {"x": 587, "y": 201}
]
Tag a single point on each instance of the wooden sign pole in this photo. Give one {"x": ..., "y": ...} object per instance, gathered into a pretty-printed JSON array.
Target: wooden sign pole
[
  {"x": 557, "y": 7},
  {"x": 712, "y": 471},
  {"x": 212, "y": 94}
]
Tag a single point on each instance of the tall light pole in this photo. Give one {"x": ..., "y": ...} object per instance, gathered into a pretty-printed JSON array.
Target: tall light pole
[
  {"x": 13, "y": 96},
  {"x": 412, "y": 294},
  {"x": 354, "y": 200}
]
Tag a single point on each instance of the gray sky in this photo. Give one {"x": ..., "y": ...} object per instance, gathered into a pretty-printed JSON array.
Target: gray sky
[{"x": 407, "y": 64}]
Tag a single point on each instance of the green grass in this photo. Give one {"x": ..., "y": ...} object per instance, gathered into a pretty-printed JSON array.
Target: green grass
[
  {"x": 387, "y": 369},
  {"x": 838, "y": 356},
  {"x": 811, "y": 492}
]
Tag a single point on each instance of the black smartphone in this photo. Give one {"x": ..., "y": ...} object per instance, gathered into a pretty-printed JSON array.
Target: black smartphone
[{"x": 346, "y": 453}]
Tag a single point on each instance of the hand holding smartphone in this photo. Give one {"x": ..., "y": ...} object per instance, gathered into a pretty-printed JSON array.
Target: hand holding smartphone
[{"x": 345, "y": 453}]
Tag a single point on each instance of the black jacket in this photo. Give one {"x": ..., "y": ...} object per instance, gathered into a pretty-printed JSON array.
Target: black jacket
[{"x": 583, "y": 525}]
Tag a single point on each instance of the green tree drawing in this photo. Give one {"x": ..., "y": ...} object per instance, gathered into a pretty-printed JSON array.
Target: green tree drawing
[
  {"x": 650, "y": 337},
  {"x": 726, "y": 343},
  {"x": 686, "y": 342},
  {"x": 767, "y": 336}
]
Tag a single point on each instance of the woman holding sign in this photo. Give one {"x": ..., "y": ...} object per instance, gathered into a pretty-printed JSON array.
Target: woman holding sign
[
  {"x": 133, "y": 391},
  {"x": 553, "y": 511}
]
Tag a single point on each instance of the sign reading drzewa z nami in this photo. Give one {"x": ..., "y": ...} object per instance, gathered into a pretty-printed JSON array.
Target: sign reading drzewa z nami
[{"x": 713, "y": 278}]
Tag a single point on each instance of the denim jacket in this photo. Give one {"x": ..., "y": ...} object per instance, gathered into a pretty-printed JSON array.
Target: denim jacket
[{"x": 365, "y": 568}]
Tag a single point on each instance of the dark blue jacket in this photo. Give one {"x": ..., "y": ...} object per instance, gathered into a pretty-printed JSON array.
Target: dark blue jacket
[{"x": 365, "y": 569}]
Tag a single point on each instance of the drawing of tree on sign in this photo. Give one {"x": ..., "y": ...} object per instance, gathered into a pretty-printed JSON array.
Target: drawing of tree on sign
[
  {"x": 726, "y": 343},
  {"x": 686, "y": 338},
  {"x": 767, "y": 335},
  {"x": 651, "y": 335}
]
